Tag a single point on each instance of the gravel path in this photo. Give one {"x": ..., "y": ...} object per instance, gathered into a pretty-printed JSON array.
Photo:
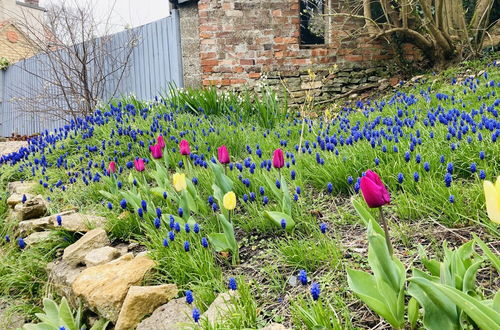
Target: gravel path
[{"x": 11, "y": 146}]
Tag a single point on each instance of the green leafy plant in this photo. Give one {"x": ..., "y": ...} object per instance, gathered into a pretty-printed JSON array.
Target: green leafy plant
[
  {"x": 383, "y": 291},
  {"x": 282, "y": 195},
  {"x": 4, "y": 63},
  {"x": 225, "y": 241},
  {"x": 60, "y": 316}
]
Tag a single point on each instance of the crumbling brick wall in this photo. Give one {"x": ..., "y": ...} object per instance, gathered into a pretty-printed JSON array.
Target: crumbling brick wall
[{"x": 241, "y": 41}]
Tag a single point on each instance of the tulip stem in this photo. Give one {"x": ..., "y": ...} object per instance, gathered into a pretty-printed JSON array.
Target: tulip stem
[{"x": 386, "y": 230}]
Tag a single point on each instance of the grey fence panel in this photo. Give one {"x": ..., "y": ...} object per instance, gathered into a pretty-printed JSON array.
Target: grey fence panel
[{"x": 154, "y": 64}]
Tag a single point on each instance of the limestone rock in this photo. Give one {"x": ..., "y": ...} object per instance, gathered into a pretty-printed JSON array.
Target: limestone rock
[
  {"x": 275, "y": 326},
  {"x": 37, "y": 237},
  {"x": 76, "y": 252},
  {"x": 104, "y": 287},
  {"x": 79, "y": 222},
  {"x": 126, "y": 257},
  {"x": 101, "y": 256},
  {"x": 61, "y": 277},
  {"x": 45, "y": 223},
  {"x": 220, "y": 306},
  {"x": 33, "y": 208},
  {"x": 16, "y": 198},
  {"x": 21, "y": 187},
  {"x": 142, "y": 300},
  {"x": 29, "y": 226},
  {"x": 170, "y": 316}
]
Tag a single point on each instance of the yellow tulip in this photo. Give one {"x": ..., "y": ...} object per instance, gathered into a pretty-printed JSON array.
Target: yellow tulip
[
  {"x": 492, "y": 194},
  {"x": 179, "y": 181},
  {"x": 229, "y": 201}
]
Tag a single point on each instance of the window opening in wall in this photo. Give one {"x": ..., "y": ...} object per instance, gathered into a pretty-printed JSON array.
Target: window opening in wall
[{"x": 312, "y": 22}]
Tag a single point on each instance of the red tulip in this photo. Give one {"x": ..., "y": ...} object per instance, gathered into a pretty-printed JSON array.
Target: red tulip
[
  {"x": 156, "y": 151},
  {"x": 223, "y": 155},
  {"x": 161, "y": 141},
  {"x": 112, "y": 167},
  {"x": 184, "y": 148},
  {"x": 374, "y": 191},
  {"x": 139, "y": 164},
  {"x": 278, "y": 160}
]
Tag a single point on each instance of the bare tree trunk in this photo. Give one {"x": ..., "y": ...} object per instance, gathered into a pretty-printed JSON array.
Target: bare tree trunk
[{"x": 370, "y": 25}]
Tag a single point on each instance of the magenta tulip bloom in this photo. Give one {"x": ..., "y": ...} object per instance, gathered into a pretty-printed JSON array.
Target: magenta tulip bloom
[
  {"x": 156, "y": 151},
  {"x": 112, "y": 167},
  {"x": 278, "y": 160},
  {"x": 139, "y": 164},
  {"x": 374, "y": 191},
  {"x": 161, "y": 141},
  {"x": 223, "y": 155},
  {"x": 184, "y": 148}
]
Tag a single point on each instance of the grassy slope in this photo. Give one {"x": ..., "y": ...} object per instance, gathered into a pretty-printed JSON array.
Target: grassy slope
[{"x": 420, "y": 212}]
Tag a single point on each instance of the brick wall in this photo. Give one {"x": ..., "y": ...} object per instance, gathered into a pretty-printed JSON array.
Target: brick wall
[
  {"x": 241, "y": 41},
  {"x": 13, "y": 44}
]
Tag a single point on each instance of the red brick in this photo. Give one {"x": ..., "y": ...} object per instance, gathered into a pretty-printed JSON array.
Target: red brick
[
  {"x": 210, "y": 82},
  {"x": 237, "y": 81},
  {"x": 353, "y": 58},
  {"x": 208, "y": 28},
  {"x": 254, "y": 75},
  {"x": 247, "y": 62},
  {"x": 209, "y": 62},
  {"x": 209, "y": 55},
  {"x": 207, "y": 68}
]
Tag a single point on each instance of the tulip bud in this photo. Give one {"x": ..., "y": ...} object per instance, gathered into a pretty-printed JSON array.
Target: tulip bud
[
  {"x": 223, "y": 155},
  {"x": 374, "y": 190},
  {"x": 156, "y": 151},
  {"x": 139, "y": 164},
  {"x": 161, "y": 141},
  {"x": 278, "y": 160},
  {"x": 112, "y": 167},
  {"x": 492, "y": 195},
  {"x": 229, "y": 201},
  {"x": 184, "y": 148}
]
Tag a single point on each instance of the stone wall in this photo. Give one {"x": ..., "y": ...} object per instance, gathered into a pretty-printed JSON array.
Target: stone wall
[
  {"x": 241, "y": 41},
  {"x": 190, "y": 44}
]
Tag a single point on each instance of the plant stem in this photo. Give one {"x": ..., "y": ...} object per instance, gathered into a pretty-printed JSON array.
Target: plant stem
[{"x": 386, "y": 230}]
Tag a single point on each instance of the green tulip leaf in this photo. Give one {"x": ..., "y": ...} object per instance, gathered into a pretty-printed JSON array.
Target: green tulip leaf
[
  {"x": 276, "y": 218},
  {"x": 365, "y": 287},
  {"x": 366, "y": 217},
  {"x": 470, "y": 278},
  {"x": 219, "y": 242},
  {"x": 485, "y": 317},
  {"x": 495, "y": 260},
  {"x": 384, "y": 266},
  {"x": 413, "y": 312},
  {"x": 440, "y": 312}
]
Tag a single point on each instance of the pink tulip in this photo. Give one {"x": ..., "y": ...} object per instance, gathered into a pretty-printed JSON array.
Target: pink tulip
[
  {"x": 156, "y": 151},
  {"x": 161, "y": 141},
  {"x": 374, "y": 191},
  {"x": 112, "y": 167},
  {"x": 278, "y": 160},
  {"x": 139, "y": 164},
  {"x": 223, "y": 155},
  {"x": 184, "y": 148}
]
